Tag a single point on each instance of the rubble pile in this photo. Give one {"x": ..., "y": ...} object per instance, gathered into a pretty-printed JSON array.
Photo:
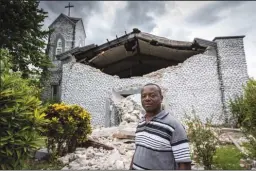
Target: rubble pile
[
  {"x": 116, "y": 146},
  {"x": 129, "y": 109},
  {"x": 120, "y": 138}
]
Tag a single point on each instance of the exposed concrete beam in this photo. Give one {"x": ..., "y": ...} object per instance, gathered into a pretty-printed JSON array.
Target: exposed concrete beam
[
  {"x": 137, "y": 70},
  {"x": 138, "y": 57},
  {"x": 229, "y": 37}
]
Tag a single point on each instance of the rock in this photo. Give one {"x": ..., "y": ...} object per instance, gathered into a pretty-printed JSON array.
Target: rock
[
  {"x": 64, "y": 160},
  {"x": 80, "y": 156},
  {"x": 114, "y": 156},
  {"x": 129, "y": 118},
  {"x": 90, "y": 163},
  {"x": 80, "y": 149},
  {"x": 242, "y": 140},
  {"x": 129, "y": 154},
  {"x": 130, "y": 147},
  {"x": 91, "y": 143},
  {"x": 68, "y": 158},
  {"x": 123, "y": 136},
  {"x": 90, "y": 150},
  {"x": 65, "y": 168},
  {"x": 119, "y": 164},
  {"x": 123, "y": 123},
  {"x": 42, "y": 154},
  {"x": 223, "y": 138},
  {"x": 242, "y": 161},
  {"x": 125, "y": 133},
  {"x": 74, "y": 165},
  {"x": 241, "y": 165},
  {"x": 122, "y": 151},
  {"x": 99, "y": 154},
  {"x": 197, "y": 167},
  {"x": 104, "y": 150},
  {"x": 82, "y": 161},
  {"x": 89, "y": 156},
  {"x": 129, "y": 109}
]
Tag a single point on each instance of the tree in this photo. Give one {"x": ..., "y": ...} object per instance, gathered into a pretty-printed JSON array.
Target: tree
[
  {"x": 21, "y": 117},
  {"x": 21, "y": 33},
  {"x": 243, "y": 108}
]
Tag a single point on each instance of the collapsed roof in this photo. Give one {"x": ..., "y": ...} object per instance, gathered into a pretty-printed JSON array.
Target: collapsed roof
[{"x": 137, "y": 53}]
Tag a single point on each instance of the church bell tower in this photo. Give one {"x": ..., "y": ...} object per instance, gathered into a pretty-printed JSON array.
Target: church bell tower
[{"x": 68, "y": 33}]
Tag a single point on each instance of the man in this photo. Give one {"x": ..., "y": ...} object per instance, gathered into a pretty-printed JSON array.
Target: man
[{"x": 161, "y": 140}]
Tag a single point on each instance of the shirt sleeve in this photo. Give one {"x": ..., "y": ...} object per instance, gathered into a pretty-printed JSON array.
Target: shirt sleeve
[{"x": 180, "y": 144}]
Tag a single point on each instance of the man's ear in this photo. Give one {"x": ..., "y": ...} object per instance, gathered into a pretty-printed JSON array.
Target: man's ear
[{"x": 162, "y": 98}]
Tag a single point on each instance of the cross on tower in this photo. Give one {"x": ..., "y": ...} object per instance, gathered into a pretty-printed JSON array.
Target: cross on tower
[{"x": 69, "y": 6}]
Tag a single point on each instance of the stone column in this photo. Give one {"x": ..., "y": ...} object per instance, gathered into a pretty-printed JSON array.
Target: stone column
[{"x": 232, "y": 69}]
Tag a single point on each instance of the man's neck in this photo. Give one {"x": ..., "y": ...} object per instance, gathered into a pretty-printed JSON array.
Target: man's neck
[{"x": 154, "y": 113}]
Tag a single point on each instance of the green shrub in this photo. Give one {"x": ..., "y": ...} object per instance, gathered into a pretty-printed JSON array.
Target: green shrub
[
  {"x": 243, "y": 109},
  {"x": 203, "y": 140},
  {"x": 21, "y": 118},
  {"x": 68, "y": 127},
  {"x": 237, "y": 109},
  {"x": 250, "y": 147},
  {"x": 228, "y": 158}
]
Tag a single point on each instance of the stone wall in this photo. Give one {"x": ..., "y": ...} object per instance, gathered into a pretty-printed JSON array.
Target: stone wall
[
  {"x": 233, "y": 69},
  {"x": 192, "y": 85},
  {"x": 64, "y": 29},
  {"x": 79, "y": 34},
  {"x": 54, "y": 79}
]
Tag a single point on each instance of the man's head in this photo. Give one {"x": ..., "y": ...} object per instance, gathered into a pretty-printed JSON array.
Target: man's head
[{"x": 151, "y": 98}]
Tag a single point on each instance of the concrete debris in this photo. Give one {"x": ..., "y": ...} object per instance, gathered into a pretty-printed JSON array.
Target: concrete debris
[
  {"x": 118, "y": 158},
  {"x": 129, "y": 109},
  {"x": 112, "y": 148},
  {"x": 122, "y": 146},
  {"x": 197, "y": 167},
  {"x": 248, "y": 164}
]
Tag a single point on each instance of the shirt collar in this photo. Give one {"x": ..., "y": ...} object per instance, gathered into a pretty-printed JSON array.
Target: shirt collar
[{"x": 160, "y": 115}]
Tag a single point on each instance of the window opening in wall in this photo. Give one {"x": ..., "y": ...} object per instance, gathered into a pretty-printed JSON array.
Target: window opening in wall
[
  {"x": 59, "y": 47},
  {"x": 125, "y": 95},
  {"x": 55, "y": 92},
  {"x": 58, "y": 51}
]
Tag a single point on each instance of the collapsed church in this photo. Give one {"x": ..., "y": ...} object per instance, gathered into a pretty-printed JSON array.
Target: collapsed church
[{"x": 200, "y": 76}]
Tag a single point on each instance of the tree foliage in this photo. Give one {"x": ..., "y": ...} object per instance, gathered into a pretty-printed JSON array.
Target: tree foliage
[
  {"x": 203, "y": 139},
  {"x": 243, "y": 109},
  {"x": 21, "y": 117},
  {"x": 21, "y": 33}
]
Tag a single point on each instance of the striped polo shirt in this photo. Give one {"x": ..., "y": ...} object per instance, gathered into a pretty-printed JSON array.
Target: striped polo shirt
[{"x": 160, "y": 144}]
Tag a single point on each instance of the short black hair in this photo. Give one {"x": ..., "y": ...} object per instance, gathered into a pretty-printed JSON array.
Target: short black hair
[{"x": 153, "y": 84}]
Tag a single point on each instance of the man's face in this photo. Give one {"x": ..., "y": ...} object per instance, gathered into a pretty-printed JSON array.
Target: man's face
[{"x": 151, "y": 98}]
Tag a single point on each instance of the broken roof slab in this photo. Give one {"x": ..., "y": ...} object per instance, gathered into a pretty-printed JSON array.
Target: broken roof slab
[{"x": 138, "y": 53}]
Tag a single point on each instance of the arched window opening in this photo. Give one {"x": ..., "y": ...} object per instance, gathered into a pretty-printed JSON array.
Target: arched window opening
[{"x": 59, "y": 47}]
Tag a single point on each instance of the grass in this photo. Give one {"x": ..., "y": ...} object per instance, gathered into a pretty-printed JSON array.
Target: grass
[
  {"x": 43, "y": 165},
  {"x": 227, "y": 158}
]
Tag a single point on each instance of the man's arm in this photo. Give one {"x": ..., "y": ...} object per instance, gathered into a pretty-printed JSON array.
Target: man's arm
[
  {"x": 180, "y": 147},
  {"x": 184, "y": 166}
]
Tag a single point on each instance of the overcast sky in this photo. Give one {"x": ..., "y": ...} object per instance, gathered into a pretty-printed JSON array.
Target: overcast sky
[{"x": 178, "y": 20}]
